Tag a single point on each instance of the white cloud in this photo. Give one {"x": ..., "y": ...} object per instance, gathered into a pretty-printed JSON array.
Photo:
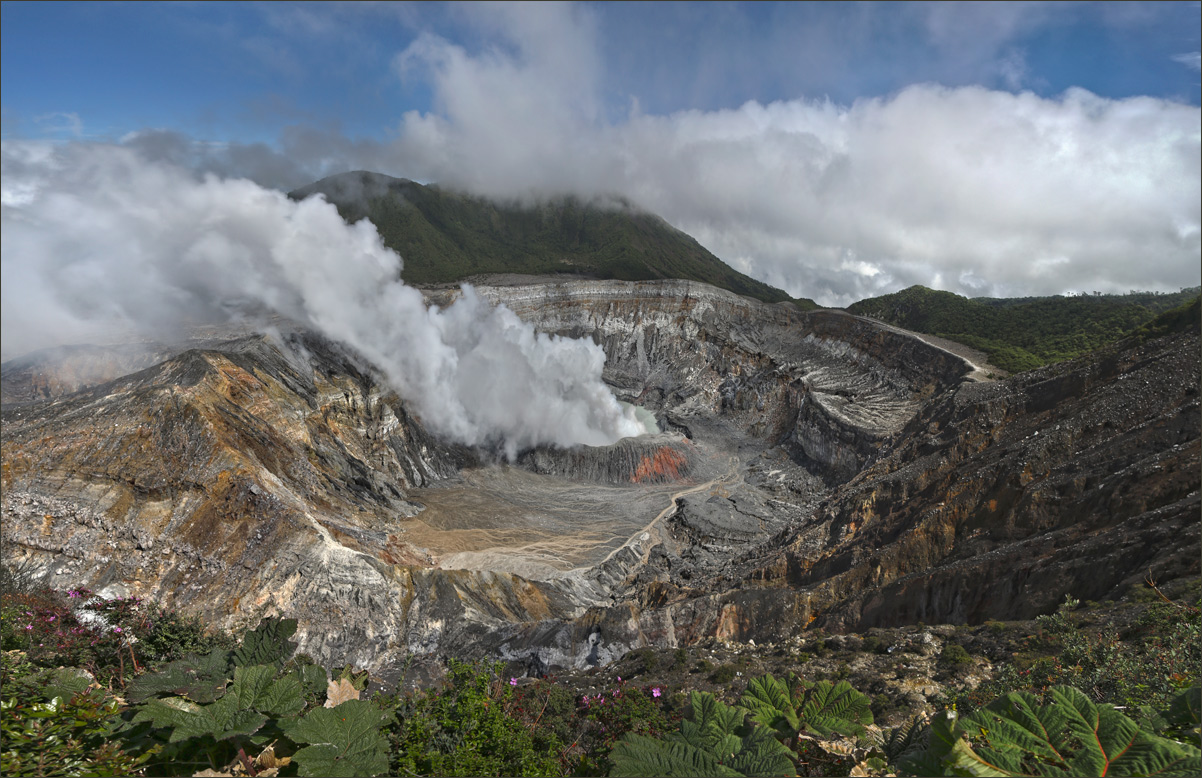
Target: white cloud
[
  {"x": 1192, "y": 60},
  {"x": 60, "y": 123},
  {"x": 930, "y": 185},
  {"x": 96, "y": 236},
  {"x": 975, "y": 190}
]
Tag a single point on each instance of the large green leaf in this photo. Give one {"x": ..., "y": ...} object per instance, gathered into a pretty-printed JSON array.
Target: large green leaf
[
  {"x": 267, "y": 644},
  {"x": 836, "y": 709},
  {"x": 1014, "y": 735},
  {"x": 905, "y": 739},
  {"x": 257, "y": 688},
  {"x": 1185, "y": 711},
  {"x": 638, "y": 756},
  {"x": 947, "y": 752},
  {"x": 254, "y": 696},
  {"x": 707, "y": 744},
  {"x": 345, "y": 741},
  {"x": 769, "y": 703},
  {"x": 762, "y": 754},
  {"x": 220, "y": 720},
  {"x": 711, "y": 727},
  {"x": 199, "y": 678}
]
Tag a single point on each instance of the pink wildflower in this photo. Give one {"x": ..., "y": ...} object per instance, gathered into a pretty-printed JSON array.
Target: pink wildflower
[
  {"x": 513, "y": 682},
  {"x": 655, "y": 692}
]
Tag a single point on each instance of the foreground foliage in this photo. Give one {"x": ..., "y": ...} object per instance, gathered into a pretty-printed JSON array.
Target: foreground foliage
[
  {"x": 1070, "y": 735},
  {"x": 253, "y": 707}
]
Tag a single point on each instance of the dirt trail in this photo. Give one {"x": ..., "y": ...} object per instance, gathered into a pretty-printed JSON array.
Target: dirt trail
[{"x": 727, "y": 478}]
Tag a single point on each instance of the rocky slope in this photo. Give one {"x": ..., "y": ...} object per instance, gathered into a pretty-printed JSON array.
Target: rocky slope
[{"x": 814, "y": 469}]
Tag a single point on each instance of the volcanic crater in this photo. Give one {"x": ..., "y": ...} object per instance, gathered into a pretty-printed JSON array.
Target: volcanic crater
[{"x": 813, "y": 468}]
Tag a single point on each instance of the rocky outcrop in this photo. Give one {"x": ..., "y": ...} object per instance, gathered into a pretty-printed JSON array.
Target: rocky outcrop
[
  {"x": 663, "y": 458},
  {"x": 816, "y": 468}
]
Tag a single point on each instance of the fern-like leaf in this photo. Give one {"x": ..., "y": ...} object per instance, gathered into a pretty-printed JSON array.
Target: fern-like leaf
[
  {"x": 905, "y": 739},
  {"x": 638, "y": 756},
  {"x": 707, "y": 744},
  {"x": 1070, "y": 735},
  {"x": 770, "y": 703},
  {"x": 762, "y": 754},
  {"x": 267, "y": 644},
  {"x": 836, "y": 709}
]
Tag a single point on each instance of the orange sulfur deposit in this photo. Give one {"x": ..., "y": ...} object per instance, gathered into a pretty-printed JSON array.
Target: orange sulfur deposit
[{"x": 666, "y": 464}]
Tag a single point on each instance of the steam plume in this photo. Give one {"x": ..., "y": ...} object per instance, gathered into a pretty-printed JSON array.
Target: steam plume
[{"x": 96, "y": 235}]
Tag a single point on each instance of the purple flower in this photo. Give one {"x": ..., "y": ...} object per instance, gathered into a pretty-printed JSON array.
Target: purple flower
[
  {"x": 72, "y": 594},
  {"x": 513, "y": 682},
  {"x": 655, "y": 692},
  {"x": 116, "y": 629},
  {"x": 28, "y": 626}
]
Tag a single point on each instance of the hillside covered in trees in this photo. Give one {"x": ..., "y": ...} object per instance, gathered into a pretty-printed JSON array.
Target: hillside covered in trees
[
  {"x": 445, "y": 236},
  {"x": 1023, "y": 333}
]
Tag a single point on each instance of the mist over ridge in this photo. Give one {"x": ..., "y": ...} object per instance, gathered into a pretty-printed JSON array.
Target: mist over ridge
[{"x": 96, "y": 236}]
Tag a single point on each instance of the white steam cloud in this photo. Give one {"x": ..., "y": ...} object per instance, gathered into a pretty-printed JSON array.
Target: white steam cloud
[{"x": 96, "y": 236}]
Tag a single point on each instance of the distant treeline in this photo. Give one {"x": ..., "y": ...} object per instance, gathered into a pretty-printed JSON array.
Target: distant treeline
[{"x": 1024, "y": 333}]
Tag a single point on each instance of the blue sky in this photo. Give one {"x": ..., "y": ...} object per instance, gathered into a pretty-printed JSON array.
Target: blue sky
[
  {"x": 837, "y": 150},
  {"x": 245, "y": 71}
]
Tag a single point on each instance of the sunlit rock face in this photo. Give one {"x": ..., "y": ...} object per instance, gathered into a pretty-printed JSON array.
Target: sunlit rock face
[{"x": 811, "y": 468}]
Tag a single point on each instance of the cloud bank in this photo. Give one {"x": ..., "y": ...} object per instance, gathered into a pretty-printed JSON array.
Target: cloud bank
[
  {"x": 96, "y": 236},
  {"x": 969, "y": 189},
  {"x": 978, "y": 191}
]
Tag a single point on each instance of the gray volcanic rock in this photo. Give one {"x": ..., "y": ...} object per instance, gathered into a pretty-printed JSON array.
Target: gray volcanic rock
[
  {"x": 648, "y": 459},
  {"x": 815, "y": 468}
]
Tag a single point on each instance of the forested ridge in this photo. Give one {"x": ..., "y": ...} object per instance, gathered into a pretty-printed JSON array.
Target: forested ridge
[
  {"x": 1024, "y": 333},
  {"x": 446, "y": 236}
]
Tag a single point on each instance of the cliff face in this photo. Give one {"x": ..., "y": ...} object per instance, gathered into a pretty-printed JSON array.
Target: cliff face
[{"x": 814, "y": 468}]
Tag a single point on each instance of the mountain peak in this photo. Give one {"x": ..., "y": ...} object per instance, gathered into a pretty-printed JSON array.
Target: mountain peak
[{"x": 446, "y": 236}]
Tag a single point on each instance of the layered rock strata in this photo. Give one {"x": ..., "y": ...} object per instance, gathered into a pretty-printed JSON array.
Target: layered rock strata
[{"x": 815, "y": 468}]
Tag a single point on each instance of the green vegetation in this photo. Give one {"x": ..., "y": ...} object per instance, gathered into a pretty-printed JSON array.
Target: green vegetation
[
  {"x": 445, "y": 236},
  {"x": 1140, "y": 667},
  {"x": 712, "y": 741},
  {"x": 1070, "y": 735},
  {"x": 1022, "y": 334},
  {"x": 251, "y": 706}
]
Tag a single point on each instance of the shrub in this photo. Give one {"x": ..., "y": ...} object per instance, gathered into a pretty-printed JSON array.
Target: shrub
[
  {"x": 724, "y": 674},
  {"x": 954, "y": 655},
  {"x": 54, "y": 723},
  {"x": 648, "y": 658},
  {"x": 610, "y": 716},
  {"x": 465, "y": 729},
  {"x": 171, "y": 635}
]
